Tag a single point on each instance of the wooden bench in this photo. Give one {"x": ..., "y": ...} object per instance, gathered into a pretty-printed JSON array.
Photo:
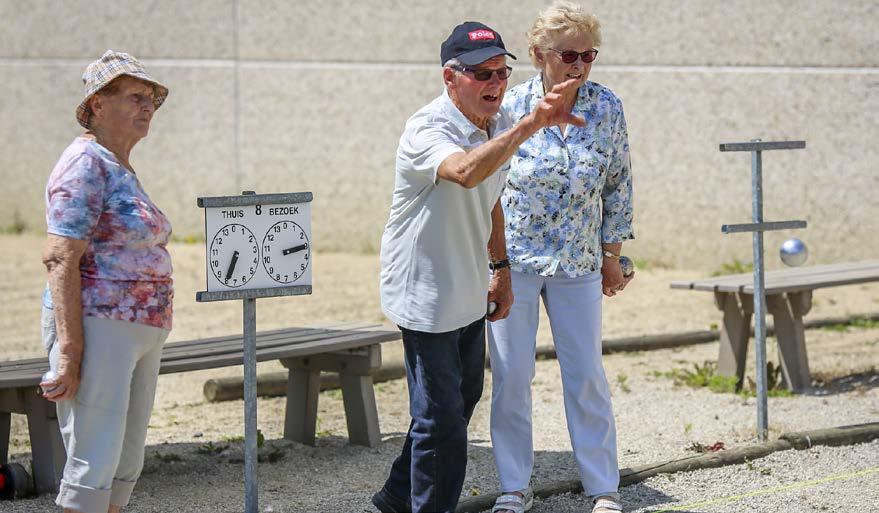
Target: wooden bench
[
  {"x": 788, "y": 299},
  {"x": 352, "y": 350}
]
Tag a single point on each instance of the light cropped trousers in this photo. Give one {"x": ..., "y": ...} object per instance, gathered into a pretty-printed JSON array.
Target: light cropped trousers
[
  {"x": 104, "y": 428},
  {"x": 574, "y": 309}
]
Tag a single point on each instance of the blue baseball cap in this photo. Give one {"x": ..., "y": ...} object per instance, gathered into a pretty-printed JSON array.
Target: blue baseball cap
[{"x": 473, "y": 43}]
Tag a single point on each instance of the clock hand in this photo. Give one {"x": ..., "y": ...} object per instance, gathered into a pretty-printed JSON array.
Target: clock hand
[
  {"x": 232, "y": 266},
  {"x": 294, "y": 249}
]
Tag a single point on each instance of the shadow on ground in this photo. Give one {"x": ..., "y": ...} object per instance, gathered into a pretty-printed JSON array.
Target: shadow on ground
[{"x": 826, "y": 385}]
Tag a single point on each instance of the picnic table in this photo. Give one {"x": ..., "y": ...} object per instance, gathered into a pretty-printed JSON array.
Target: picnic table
[
  {"x": 788, "y": 299},
  {"x": 352, "y": 350}
]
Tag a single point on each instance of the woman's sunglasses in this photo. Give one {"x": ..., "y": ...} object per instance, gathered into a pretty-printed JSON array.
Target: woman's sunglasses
[
  {"x": 570, "y": 56},
  {"x": 484, "y": 75}
]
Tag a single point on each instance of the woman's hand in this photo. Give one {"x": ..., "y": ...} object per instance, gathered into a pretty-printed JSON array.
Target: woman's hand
[
  {"x": 66, "y": 382},
  {"x": 61, "y": 256},
  {"x": 612, "y": 279},
  {"x": 500, "y": 292}
]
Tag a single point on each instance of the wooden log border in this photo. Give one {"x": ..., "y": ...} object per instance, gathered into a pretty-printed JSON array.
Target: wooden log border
[
  {"x": 274, "y": 384},
  {"x": 844, "y": 435}
]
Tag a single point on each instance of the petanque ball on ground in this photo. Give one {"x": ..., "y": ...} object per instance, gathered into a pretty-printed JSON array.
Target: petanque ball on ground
[{"x": 794, "y": 252}]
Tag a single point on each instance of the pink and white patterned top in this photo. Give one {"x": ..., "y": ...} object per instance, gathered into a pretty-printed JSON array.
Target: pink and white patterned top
[{"x": 126, "y": 268}]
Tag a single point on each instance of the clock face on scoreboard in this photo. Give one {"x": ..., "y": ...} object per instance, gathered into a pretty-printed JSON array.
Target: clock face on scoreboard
[
  {"x": 285, "y": 252},
  {"x": 233, "y": 255},
  {"x": 258, "y": 246}
]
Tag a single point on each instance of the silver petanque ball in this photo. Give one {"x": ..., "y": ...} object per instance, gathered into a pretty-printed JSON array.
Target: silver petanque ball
[
  {"x": 627, "y": 266},
  {"x": 492, "y": 306},
  {"x": 49, "y": 376},
  {"x": 794, "y": 252}
]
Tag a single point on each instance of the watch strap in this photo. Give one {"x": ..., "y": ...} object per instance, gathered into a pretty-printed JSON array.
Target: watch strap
[{"x": 494, "y": 265}]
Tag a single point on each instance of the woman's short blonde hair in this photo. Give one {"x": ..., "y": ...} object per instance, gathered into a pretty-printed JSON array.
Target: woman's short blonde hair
[{"x": 562, "y": 18}]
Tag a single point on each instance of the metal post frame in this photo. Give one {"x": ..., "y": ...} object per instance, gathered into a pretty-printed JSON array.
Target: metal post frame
[
  {"x": 250, "y": 430},
  {"x": 757, "y": 147},
  {"x": 759, "y": 294}
]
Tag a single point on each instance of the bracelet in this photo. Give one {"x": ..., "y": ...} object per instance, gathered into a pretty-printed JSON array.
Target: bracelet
[
  {"x": 494, "y": 265},
  {"x": 611, "y": 255}
]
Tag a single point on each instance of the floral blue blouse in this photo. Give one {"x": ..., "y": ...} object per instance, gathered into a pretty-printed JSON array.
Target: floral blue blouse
[{"x": 566, "y": 194}]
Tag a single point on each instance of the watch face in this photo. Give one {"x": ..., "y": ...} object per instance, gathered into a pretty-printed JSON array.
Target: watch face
[
  {"x": 286, "y": 252},
  {"x": 234, "y": 255}
]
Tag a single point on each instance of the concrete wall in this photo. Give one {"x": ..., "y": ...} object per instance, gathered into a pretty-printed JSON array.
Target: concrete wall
[{"x": 323, "y": 90}]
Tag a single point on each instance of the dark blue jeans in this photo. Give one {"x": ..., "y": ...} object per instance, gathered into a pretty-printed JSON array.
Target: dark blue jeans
[{"x": 445, "y": 373}]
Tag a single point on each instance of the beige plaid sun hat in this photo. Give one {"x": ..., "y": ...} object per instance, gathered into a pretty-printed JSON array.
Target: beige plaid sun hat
[{"x": 101, "y": 72}]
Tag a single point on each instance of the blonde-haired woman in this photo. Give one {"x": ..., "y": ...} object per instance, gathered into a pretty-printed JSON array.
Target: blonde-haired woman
[{"x": 567, "y": 208}]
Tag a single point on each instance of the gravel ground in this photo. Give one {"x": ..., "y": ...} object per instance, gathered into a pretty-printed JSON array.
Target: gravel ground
[
  {"x": 818, "y": 479},
  {"x": 193, "y": 460}
]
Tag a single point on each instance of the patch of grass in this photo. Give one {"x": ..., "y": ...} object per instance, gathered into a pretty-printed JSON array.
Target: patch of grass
[
  {"x": 641, "y": 264},
  {"x": 211, "y": 448},
  {"x": 864, "y": 323},
  {"x": 318, "y": 431},
  {"x": 17, "y": 226},
  {"x": 688, "y": 428},
  {"x": 273, "y": 454},
  {"x": 335, "y": 393},
  {"x": 705, "y": 376},
  {"x": 260, "y": 438},
  {"x": 734, "y": 267},
  {"x": 188, "y": 239},
  {"x": 623, "y": 382}
]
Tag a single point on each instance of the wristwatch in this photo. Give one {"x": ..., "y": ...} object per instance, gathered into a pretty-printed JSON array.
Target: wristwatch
[{"x": 494, "y": 265}]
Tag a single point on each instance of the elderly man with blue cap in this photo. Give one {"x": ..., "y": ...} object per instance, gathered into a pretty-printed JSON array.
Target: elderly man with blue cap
[{"x": 445, "y": 233}]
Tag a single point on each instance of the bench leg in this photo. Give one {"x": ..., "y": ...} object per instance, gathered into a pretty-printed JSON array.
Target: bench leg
[
  {"x": 300, "y": 421},
  {"x": 360, "y": 410},
  {"x": 5, "y": 428},
  {"x": 787, "y": 313},
  {"x": 734, "y": 335},
  {"x": 47, "y": 447}
]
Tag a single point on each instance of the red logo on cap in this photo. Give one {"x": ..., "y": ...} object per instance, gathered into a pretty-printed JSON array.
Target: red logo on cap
[{"x": 479, "y": 35}]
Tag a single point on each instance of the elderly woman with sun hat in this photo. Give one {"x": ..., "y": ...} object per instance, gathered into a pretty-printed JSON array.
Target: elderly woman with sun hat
[
  {"x": 567, "y": 209},
  {"x": 108, "y": 303}
]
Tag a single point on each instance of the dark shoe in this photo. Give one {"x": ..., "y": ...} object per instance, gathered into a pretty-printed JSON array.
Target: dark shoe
[{"x": 387, "y": 503}]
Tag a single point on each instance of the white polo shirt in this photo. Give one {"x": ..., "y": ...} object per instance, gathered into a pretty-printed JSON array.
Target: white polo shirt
[{"x": 434, "y": 254}]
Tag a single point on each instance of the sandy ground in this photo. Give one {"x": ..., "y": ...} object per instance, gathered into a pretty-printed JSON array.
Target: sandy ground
[{"x": 194, "y": 452}]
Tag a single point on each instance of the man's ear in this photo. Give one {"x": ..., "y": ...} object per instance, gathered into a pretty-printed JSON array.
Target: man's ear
[{"x": 449, "y": 77}]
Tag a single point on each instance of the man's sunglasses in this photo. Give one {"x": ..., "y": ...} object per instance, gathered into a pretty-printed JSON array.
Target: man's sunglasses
[
  {"x": 570, "y": 56},
  {"x": 484, "y": 75}
]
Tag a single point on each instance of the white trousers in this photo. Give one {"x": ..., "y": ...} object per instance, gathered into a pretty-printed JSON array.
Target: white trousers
[
  {"x": 574, "y": 309},
  {"x": 104, "y": 428}
]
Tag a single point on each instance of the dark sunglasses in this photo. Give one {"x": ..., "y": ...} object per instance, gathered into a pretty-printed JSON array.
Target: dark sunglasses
[
  {"x": 570, "y": 56},
  {"x": 483, "y": 75}
]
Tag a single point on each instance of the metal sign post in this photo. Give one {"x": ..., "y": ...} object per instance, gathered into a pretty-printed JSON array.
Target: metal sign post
[
  {"x": 257, "y": 245},
  {"x": 757, "y": 147}
]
